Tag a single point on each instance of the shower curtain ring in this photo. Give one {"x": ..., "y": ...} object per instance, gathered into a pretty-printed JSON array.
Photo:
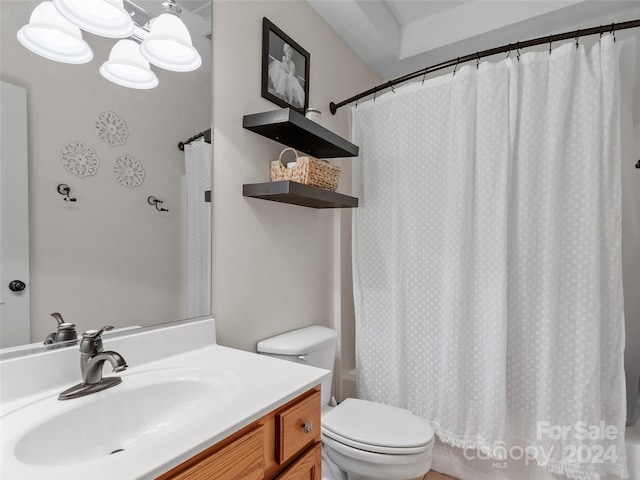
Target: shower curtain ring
[
  {"x": 577, "y": 37},
  {"x": 375, "y": 89},
  {"x": 550, "y": 44},
  {"x": 391, "y": 86},
  {"x": 477, "y": 60},
  {"x": 613, "y": 33},
  {"x": 426, "y": 69},
  {"x": 508, "y": 51},
  {"x": 456, "y": 66}
]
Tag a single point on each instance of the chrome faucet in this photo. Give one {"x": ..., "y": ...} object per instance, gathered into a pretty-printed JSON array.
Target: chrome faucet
[
  {"x": 66, "y": 331},
  {"x": 92, "y": 359}
]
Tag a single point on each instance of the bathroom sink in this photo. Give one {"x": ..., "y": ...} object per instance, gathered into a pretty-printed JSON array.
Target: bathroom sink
[
  {"x": 182, "y": 394},
  {"x": 147, "y": 409}
]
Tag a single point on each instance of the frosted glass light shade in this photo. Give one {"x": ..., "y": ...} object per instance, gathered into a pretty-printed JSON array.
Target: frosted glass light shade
[
  {"x": 52, "y": 36},
  {"x": 169, "y": 46},
  {"x": 106, "y": 18},
  {"x": 127, "y": 67}
]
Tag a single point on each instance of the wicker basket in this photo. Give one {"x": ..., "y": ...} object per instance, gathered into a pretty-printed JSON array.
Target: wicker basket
[{"x": 307, "y": 170}]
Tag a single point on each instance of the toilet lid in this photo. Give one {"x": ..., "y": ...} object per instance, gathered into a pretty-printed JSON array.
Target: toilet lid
[{"x": 376, "y": 427}]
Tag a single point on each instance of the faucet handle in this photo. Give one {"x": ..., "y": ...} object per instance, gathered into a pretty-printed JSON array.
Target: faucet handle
[
  {"x": 96, "y": 334},
  {"x": 62, "y": 325},
  {"x": 91, "y": 343},
  {"x": 58, "y": 318}
]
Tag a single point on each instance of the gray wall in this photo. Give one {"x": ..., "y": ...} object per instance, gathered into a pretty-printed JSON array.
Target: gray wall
[{"x": 276, "y": 266}]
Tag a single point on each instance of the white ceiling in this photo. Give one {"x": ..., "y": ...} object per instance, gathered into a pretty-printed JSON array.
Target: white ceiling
[
  {"x": 396, "y": 37},
  {"x": 202, "y": 8},
  {"x": 411, "y": 10}
]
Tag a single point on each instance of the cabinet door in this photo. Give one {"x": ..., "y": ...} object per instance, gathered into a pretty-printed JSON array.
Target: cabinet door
[
  {"x": 241, "y": 460},
  {"x": 307, "y": 467}
]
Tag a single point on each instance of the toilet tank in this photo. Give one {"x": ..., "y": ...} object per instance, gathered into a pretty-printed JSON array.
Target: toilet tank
[{"x": 314, "y": 346}]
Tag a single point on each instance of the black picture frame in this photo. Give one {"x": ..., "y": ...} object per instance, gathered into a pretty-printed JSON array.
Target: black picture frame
[{"x": 285, "y": 81}]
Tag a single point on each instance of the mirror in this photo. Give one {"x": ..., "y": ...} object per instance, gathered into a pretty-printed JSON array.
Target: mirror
[{"x": 101, "y": 250}]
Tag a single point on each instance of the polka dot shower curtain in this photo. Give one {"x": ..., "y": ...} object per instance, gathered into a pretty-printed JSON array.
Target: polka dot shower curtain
[
  {"x": 197, "y": 164},
  {"x": 486, "y": 250}
]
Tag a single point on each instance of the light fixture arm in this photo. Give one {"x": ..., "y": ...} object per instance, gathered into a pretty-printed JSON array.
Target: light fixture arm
[
  {"x": 170, "y": 6},
  {"x": 133, "y": 7}
]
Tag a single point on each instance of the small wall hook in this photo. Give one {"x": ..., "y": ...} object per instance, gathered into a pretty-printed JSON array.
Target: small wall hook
[
  {"x": 638, "y": 164},
  {"x": 156, "y": 203},
  {"x": 65, "y": 190}
]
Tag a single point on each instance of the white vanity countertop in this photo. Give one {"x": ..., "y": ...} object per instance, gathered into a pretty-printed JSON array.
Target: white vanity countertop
[{"x": 258, "y": 385}]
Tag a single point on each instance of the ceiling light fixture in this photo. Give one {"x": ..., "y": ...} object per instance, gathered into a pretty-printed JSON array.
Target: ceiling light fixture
[
  {"x": 127, "y": 67},
  {"x": 169, "y": 45},
  {"x": 106, "y": 18},
  {"x": 54, "y": 33},
  {"x": 52, "y": 36}
]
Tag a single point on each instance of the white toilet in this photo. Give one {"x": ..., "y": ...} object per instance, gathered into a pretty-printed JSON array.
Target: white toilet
[{"x": 365, "y": 440}]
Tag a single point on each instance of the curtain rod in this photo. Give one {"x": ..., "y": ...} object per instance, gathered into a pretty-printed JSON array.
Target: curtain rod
[
  {"x": 333, "y": 107},
  {"x": 207, "y": 138}
]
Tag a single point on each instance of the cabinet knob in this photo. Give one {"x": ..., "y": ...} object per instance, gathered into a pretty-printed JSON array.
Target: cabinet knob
[{"x": 307, "y": 426}]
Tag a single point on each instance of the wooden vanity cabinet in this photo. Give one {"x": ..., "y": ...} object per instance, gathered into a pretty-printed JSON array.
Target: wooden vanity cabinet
[{"x": 283, "y": 444}]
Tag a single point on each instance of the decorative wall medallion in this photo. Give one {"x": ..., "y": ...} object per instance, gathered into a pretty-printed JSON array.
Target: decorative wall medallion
[
  {"x": 111, "y": 129},
  {"x": 79, "y": 159},
  {"x": 128, "y": 171}
]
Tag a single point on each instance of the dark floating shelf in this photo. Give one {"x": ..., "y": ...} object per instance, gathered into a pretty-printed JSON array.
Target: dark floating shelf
[
  {"x": 295, "y": 130},
  {"x": 298, "y": 194}
]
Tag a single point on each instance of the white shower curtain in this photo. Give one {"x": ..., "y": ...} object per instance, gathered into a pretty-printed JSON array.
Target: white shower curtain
[
  {"x": 198, "y": 173},
  {"x": 487, "y": 276}
]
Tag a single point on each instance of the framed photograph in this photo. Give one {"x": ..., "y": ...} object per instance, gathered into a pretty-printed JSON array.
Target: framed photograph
[{"x": 285, "y": 69}]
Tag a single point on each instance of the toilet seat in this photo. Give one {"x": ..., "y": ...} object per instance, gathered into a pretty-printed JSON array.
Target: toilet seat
[
  {"x": 365, "y": 465},
  {"x": 377, "y": 428}
]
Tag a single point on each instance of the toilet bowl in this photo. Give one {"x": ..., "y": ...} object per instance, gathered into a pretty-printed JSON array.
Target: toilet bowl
[
  {"x": 371, "y": 441},
  {"x": 365, "y": 440}
]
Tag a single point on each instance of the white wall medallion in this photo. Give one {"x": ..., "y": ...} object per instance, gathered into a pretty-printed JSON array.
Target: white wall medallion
[
  {"x": 111, "y": 129},
  {"x": 128, "y": 171},
  {"x": 79, "y": 159}
]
